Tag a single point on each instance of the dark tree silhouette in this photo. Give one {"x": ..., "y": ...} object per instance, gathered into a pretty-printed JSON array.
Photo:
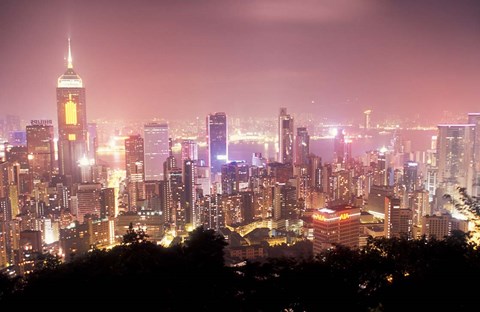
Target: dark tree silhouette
[
  {"x": 134, "y": 236},
  {"x": 387, "y": 275}
]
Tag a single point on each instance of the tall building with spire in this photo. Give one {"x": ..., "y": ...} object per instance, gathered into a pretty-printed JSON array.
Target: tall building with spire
[{"x": 72, "y": 122}]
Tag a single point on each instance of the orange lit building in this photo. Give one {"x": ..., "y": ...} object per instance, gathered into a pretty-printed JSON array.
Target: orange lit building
[
  {"x": 338, "y": 225},
  {"x": 72, "y": 123}
]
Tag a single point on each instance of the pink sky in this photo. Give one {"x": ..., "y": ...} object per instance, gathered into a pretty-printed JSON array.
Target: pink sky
[{"x": 173, "y": 59}]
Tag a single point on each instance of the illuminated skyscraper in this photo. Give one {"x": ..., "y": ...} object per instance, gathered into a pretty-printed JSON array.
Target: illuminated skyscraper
[
  {"x": 336, "y": 225},
  {"x": 474, "y": 118},
  {"x": 156, "y": 150},
  {"x": 217, "y": 140},
  {"x": 398, "y": 221},
  {"x": 72, "y": 122},
  {"x": 235, "y": 177},
  {"x": 410, "y": 172},
  {"x": 107, "y": 203},
  {"x": 41, "y": 151},
  {"x": 339, "y": 147},
  {"x": 367, "y": 113},
  {"x": 134, "y": 164},
  {"x": 285, "y": 137},
  {"x": 189, "y": 150},
  {"x": 455, "y": 156},
  {"x": 189, "y": 180},
  {"x": 92, "y": 142},
  {"x": 302, "y": 144},
  {"x": 89, "y": 200}
]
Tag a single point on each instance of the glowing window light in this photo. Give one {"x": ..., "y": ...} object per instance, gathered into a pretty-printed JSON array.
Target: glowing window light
[
  {"x": 72, "y": 137},
  {"x": 70, "y": 111}
]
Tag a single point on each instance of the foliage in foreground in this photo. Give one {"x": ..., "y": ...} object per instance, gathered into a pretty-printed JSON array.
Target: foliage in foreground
[{"x": 387, "y": 275}]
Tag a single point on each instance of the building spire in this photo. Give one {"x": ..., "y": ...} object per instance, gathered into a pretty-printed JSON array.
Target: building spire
[{"x": 70, "y": 63}]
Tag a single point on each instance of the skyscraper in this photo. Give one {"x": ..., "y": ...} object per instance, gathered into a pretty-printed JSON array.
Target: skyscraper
[
  {"x": 339, "y": 147},
  {"x": 302, "y": 144},
  {"x": 89, "y": 200},
  {"x": 474, "y": 118},
  {"x": 107, "y": 203},
  {"x": 217, "y": 140},
  {"x": 410, "y": 172},
  {"x": 398, "y": 221},
  {"x": 134, "y": 164},
  {"x": 455, "y": 147},
  {"x": 156, "y": 150},
  {"x": 40, "y": 149},
  {"x": 189, "y": 150},
  {"x": 72, "y": 122},
  {"x": 189, "y": 181},
  {"x": 367, "y": 113},
  {"x": 92, "y": 142},
  {"x": 235, "y": 177},
  {"x": 285, "y": 137},
  {"x": 336, "y": 225}
]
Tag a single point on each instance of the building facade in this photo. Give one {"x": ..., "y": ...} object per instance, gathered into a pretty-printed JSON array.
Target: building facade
[{"x": 72, "y": 123}]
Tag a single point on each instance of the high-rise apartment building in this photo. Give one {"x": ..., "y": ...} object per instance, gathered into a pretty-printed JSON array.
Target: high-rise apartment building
[
  {"x": 107, "y": 203},
  {"x": 72, "y": 122},
  {"x": 217, "y": 140},
  {"x": 189, "y": 181},
  {"x": 156, "y": 150},
  {"x": 398, "y": 221}
]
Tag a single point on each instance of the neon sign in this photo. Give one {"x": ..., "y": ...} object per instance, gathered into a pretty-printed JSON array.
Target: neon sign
[
  {"x": 344, "y": 216},
  {"x": 318, "y": 217}
]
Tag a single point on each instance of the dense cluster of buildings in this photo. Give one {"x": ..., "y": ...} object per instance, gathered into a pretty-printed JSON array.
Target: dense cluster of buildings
[{"x": 55, "y": 197}]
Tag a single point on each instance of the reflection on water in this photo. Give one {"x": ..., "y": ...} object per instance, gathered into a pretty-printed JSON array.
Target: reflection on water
[{"x": 419, "y": 140}]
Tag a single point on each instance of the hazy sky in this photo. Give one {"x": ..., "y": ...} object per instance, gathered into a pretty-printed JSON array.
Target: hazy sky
[{"x": 168, "y": 59}]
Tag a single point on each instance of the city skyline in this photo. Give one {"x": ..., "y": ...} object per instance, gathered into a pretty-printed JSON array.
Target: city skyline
[
  {"x": 339, "y": 58},
  {"x": 214, "y": 140}
]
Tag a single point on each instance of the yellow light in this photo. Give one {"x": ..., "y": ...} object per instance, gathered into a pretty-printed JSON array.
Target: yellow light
[
  {"x": 318, "y": 217},
  {"x": 72, "y": 137},
  {"x": 70, "y": 111},
  {"x": 344, "y": 216}
]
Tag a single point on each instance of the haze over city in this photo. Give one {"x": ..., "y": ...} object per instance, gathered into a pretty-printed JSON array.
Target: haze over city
[
  {"x": 290, "y": 155},
  {"x": 183, "y": 59}
]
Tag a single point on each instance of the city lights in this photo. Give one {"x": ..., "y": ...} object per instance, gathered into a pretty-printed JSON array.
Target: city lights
[{"x": 197, "y": 143}]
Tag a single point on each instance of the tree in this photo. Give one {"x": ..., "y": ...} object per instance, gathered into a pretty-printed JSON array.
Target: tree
[
  {"x": 205, "y": 247},
  {"x": 133, "y": 236},
  {"x": 469, "y": 206},
  {"x": 48, "y": 261}
]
